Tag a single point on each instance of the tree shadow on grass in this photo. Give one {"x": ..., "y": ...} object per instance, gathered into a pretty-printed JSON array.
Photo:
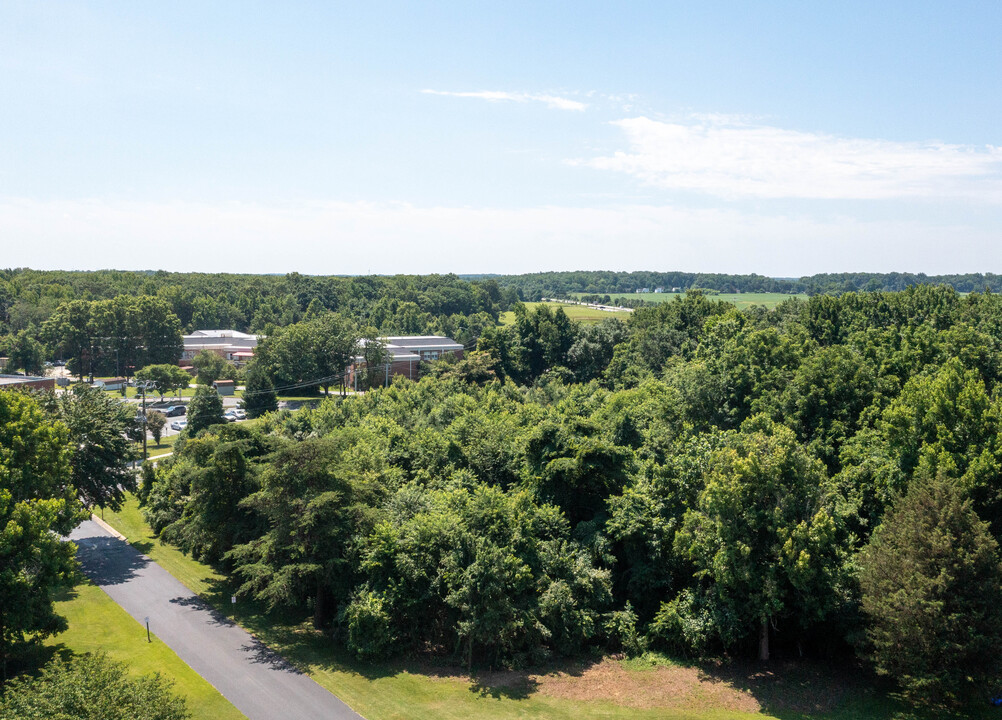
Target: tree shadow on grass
[
  {"x": 143, "y": 546},
  {"x": 288, "y": 639},
  {"x": 507, "y": 684},
  {"x": 808, "y": 690}
]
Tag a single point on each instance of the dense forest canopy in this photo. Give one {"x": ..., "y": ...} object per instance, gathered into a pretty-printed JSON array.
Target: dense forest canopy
[
  {"x": 699, "y": 479},
  {"x": 399, "y": 304}
]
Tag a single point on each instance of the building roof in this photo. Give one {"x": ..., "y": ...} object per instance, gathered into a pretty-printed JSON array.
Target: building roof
[
  {"x": 394, "y": 351},
  {"x": 228, "y": 334},
  {"x": 19, "y": 379},
  {"x": 408, "y": 347},
  {"x": 423, "y": 342},
  {"x": 399, "y": 353}
]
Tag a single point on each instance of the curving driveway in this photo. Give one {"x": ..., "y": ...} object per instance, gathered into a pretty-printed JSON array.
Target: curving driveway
[{"x": 256, "y": 680}]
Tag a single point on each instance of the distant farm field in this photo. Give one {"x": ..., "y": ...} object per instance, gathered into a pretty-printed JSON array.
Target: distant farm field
[
  {"x": 742, "y": 300},
  {"x": 581, "y": 313}
]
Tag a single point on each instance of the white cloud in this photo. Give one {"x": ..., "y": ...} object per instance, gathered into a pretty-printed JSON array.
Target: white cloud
[
  {"x": 355, "y": 238},
  {"x": 728, "y": 158},
  {"x": 552, "y": 101}
]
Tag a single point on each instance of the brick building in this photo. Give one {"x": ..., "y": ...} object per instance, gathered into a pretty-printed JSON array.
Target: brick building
[
  {"x": 232, "y": 345},
  {"x": 405, "y": 353},
  {"x": 26, "y": 382}
]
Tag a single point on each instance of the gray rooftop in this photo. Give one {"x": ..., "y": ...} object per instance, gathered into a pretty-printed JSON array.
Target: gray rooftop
[
  {"x": 18, "y": 379},
  {"x": 423, "y": 341}
]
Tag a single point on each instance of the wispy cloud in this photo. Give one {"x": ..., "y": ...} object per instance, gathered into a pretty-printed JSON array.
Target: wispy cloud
[
  {"x": 730, "y": 158},
  {"x": 552, "y": 101}
]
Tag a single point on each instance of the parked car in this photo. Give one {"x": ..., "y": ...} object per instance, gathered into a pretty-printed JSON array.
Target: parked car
[
  {"x": 240, "y": 414},
  {"x": 230, "y": 416},
  {"x": 179, "y": 425},
  {"x": 175, "y": 410}
]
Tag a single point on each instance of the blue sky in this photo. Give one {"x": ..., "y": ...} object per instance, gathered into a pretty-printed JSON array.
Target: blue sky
[{"x": 778, "y": 138}]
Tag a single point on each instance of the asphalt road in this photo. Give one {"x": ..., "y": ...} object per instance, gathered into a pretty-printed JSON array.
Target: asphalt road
[{"x": 257, "y": 681}]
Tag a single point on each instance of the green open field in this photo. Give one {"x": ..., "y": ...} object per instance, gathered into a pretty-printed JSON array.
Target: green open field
[
  {"x": 97, "y": 623},
  {"x": 580, "y": 313},
  {"x": 593, "y": 688},
  {"x": 742, "y": 300}
]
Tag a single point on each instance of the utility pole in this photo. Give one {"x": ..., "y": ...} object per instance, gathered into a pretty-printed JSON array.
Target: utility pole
[{"x": 141, "y": 385}]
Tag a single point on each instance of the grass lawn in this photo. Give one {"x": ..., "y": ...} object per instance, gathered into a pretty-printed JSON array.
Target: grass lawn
[
  {"x": 304, "y": 398},
  {"x": 580, "y": 313},
  {"x": 165, "y": 445},
  {"x": 742, "y": 300},
  {"x": 97, "y": 623},
  {"x": 591, "y": 689}
]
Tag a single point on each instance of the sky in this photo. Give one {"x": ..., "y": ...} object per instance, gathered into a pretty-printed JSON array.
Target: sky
[{"x": 781, "y": 138}]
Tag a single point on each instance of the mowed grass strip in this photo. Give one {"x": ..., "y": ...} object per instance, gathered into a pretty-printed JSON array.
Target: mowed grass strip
[
  {"x": 581, "y": 313},
  {"x": 98, "y": 624},
  {"x": 741, "y": 300},
  {"x": 586, "y": 690}
]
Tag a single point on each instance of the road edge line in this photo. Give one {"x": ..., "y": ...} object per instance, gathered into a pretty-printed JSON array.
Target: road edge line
[{"x": 107, "y": 527}]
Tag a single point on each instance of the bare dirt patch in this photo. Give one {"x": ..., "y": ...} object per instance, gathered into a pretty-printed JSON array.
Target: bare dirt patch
[
  {"x": 668, "y": 687},
  {"x": 737, "y": 686}
]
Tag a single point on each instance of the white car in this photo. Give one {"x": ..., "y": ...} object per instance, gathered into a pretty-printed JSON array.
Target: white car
[{"x": 179, "y": 425}]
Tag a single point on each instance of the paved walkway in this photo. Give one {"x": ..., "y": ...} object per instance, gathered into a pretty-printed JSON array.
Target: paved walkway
[{"x": 257, "y": 681}]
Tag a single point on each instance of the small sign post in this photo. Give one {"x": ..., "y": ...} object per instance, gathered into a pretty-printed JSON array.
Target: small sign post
[{"x": 147, "y": 620}]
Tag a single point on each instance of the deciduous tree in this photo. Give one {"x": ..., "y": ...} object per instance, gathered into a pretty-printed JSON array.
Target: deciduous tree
[
  {"x": 155, "y": 422},
  {"x": 761, "y": 538},
  {"x": 101, "y": 452},
  {"x": 209, "y": 365},
  {"x": 165, "y": 378},
  {"x": 91, "y": 687},
  {"x": 37, "y": 504}
]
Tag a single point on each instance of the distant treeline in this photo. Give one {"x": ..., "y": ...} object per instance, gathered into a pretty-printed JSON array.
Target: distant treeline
[
  {"x": 559, "y": 284},
  {"x": 398, "y": 304}
]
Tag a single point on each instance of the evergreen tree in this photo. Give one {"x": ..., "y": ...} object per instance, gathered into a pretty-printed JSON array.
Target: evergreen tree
[
  {"x": 206, "y": 409},
  {"x": 259, "y": 392},
  {"x": 932, "y": 585}
]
